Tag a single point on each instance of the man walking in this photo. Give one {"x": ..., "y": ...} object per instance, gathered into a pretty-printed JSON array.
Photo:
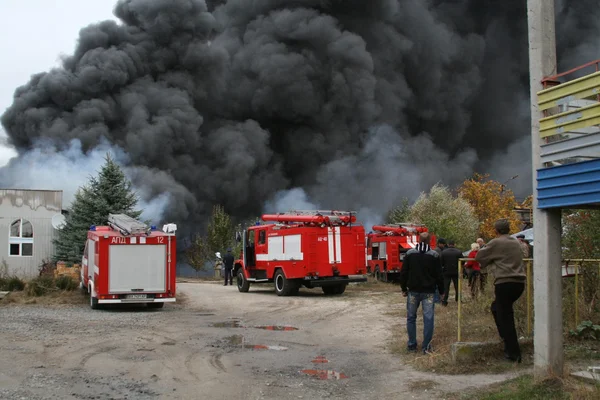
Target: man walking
[
  {"x": 503, "y": 254},
  {"x": 450, "y": 256},
  {"x": 421, "y": 275},
  {"x": 228, "y": 261}
]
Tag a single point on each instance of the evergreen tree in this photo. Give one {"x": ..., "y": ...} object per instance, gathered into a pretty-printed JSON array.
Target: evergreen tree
[
  {"x": 220, "y": 235},
  {"x": 108, "y": 193}
]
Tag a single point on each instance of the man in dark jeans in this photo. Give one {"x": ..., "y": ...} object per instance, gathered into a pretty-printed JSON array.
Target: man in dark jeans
[
  {"x": 420, "y": 276},
  {"x": 450, "y": 256},
  {"x": 228, "y": 261},
  {"x": 503, "y": 254}
]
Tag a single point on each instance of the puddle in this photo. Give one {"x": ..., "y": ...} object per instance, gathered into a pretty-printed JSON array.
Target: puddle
[
  {"x": 320, "y": 360},
  {"x": 277, "y": 328},
  {"x": 204, "y": 314},
  {"x": 324, "y": 375},
  {"x": 168, "y": 343},
  {"x": 228, "y": 324}
]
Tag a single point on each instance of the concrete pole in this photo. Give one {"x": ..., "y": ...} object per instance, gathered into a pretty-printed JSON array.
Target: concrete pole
[{"x": 547, "y": 284}]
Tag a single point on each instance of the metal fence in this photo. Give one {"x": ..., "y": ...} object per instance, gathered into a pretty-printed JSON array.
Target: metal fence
[{"x": 572, "y": 268}]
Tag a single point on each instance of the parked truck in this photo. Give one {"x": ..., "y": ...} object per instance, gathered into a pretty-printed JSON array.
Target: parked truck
[
  {"x": 386, "y": 246},
  {"x": 129, "y": 262},
  {"x": 303, "y": 248}
]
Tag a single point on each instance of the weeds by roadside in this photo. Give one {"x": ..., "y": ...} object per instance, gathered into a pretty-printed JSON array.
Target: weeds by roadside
[{"x": 526, "y": 388}]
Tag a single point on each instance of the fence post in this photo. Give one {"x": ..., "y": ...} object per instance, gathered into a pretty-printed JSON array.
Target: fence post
[
  {"x": 529, "y": 298},
  {"x": 577, "y": 293},
  {"x": 460, "y": 265}
]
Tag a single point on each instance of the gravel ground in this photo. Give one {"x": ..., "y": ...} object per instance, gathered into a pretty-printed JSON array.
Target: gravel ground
[{"x": 206, "y": 349}]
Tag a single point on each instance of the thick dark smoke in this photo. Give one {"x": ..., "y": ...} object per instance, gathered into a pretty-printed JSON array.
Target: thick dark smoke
[{"x": 332, "y": 103}]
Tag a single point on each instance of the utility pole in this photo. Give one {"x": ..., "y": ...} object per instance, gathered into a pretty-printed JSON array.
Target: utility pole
[{"x": 547, "y": 284}]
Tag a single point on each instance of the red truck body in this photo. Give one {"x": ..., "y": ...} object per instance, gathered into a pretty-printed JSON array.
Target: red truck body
[
  {"x": 125, "y": 265},
  {"x": 386, "y": 246},
  {"x": 303, "y": 248}
]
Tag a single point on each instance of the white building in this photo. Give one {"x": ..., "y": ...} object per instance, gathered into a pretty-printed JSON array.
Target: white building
[{"x": 26, "y": 231}]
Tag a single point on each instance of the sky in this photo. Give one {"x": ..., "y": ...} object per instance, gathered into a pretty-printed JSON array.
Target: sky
[{"x": 49, "y": 26}]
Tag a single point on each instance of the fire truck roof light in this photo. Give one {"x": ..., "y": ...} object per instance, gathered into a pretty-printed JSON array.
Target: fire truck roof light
[
  {"x": 153, "y": 227},
  {"x": 93, "y": 228}
]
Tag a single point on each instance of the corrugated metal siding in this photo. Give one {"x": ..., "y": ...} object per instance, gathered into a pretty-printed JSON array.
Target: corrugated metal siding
[
  {"x": 569, "y": 185},
  {"x": 37, "y": 207}
]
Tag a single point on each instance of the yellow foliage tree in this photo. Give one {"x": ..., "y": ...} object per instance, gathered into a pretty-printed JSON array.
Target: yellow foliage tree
[{"x": 491, "y": 201}]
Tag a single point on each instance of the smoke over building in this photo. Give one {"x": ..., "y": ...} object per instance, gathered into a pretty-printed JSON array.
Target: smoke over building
[{"x": 342, "y": 103}]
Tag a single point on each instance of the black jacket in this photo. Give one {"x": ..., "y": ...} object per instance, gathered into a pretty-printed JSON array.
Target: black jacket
[
  {"x": 450, "y": 257},
  {"x": 228, "y": 261},
  {"x": 422, "y": 271}
]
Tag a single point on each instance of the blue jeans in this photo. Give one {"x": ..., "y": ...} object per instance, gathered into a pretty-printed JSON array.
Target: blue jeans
[{"x": 413, "y": 301}]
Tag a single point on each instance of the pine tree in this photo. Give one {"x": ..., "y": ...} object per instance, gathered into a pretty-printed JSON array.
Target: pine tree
[{"x": 108, "y": 193}]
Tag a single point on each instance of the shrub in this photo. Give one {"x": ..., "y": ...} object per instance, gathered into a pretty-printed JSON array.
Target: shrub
[
  {"x": 65, "y": 282},
  {"x": 14, "y": 284},
  {"x": 47, "y": 268},
  {"x": 40, "y": 286}
]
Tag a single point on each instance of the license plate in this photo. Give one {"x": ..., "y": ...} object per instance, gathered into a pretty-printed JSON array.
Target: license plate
[{"x": 136, "y": 296}]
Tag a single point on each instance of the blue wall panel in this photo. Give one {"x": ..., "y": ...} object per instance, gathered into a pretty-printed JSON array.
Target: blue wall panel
[{"x": 569, "y": 185}]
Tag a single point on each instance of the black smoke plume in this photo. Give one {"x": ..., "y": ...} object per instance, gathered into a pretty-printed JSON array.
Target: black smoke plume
[{"x": 341, "y": 103}]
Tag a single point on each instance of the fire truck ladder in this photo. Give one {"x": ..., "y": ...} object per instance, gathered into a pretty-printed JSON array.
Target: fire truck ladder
[
  {"x": 127, "y": 225},
  {"x": 401, "y": 227},
  {"x": 333, "y": 217}
]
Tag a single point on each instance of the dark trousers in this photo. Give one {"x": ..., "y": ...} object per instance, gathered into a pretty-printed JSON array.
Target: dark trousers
[
  {"x": 228, "y": 276},
  {"x": 504, "y": 316},
  {"x": 447, "y": 280}
]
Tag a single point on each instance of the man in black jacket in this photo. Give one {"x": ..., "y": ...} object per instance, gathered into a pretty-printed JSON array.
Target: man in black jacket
[
  {"x": 450, "y": 256},
  {"x": 228, "y": 262},
  {"x": 420, "y": 276}
]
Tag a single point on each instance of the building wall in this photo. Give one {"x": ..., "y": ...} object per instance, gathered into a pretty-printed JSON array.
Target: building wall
[{"x": 38, "y": 207}]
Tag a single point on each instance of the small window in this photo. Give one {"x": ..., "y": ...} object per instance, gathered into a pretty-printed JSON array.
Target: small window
[
  {"x": 262, "y": 237},
  {"x": 20, "y": 238}
]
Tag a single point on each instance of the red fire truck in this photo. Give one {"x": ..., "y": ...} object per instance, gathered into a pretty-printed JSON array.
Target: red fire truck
[
  {"x": 386, "y": 246},
  {"x": 303, "y": 248},
  {"x": 129, "y": 262}
]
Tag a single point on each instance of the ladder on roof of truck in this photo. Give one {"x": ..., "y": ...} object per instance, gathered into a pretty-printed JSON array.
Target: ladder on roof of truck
[
  {"x": 127, "y": 225},
  {"x": 324, "y": 213}
]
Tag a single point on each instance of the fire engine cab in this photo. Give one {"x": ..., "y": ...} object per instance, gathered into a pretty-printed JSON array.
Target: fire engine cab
[
  {"x": 386, "y": 246},
  {"x": 303, "y": 248},
  {"x": 129, "y": 262}
]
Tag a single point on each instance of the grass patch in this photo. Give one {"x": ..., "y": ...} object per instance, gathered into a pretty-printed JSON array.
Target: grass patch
[
  {"x": 526, "y": 388},
  {"x": 53, "y": 298}
]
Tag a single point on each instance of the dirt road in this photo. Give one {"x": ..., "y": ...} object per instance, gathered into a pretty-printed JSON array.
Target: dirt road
[{"x": 219, "y": 344}]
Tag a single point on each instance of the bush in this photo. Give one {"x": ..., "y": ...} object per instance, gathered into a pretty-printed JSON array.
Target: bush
[
  {"x": 14, "y": 284},
  {"x": 65, "y": 282},
  {"x": 40, "y": 286},
  {"x": 47, "y": 268}
]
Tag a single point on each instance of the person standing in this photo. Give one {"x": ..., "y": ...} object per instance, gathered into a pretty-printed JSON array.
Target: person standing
[
  {"x": 503, "y": 254},
  {"x": 228, "y": 262},
  {"x": 420, "y": 276},
  {"x": 219, "y": 265},
  {"x": 524, "y": 245},
  {"x": 483, "y": 273},
  {"x": 440, "y": 246},
  {"x": 450, "y": 257},
  {"x": 474, "y": 270}
]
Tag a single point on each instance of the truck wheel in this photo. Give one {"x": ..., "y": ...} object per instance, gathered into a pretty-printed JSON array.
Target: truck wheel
[
  {"x": 334, "y": 289},
  {"x": 284, "y": 286},
  {"x": 155, "y": 305},
  {"x": 93, "y": 301},
  {"x": 242, "y": 283}
]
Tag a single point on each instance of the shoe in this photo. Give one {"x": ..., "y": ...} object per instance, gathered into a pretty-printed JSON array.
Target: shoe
[
  {"x": 445, "y": 303},
  {"x": 411, "y": 349},
  {"x": 510, "y": 358}
]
